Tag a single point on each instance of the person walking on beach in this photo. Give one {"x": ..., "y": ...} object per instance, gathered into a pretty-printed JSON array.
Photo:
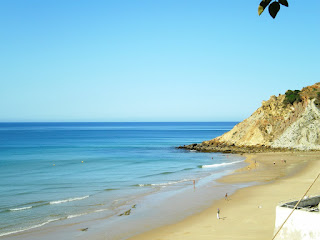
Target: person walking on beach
[
  {"x": 218, "y": 212},
  {"x": 226, "y": 196}
]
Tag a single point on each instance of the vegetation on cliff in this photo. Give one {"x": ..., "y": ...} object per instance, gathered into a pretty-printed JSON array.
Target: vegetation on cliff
[{"x": 292, "y": 96}]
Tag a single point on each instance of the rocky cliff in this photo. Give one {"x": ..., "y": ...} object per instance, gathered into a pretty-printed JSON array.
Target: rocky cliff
[{"x": 287, "y": 122}]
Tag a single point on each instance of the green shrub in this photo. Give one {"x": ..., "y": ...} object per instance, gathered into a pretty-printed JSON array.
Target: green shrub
[{"x": 292, "y": 96}]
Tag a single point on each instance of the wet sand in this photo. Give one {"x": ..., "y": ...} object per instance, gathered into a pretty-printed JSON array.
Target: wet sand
[{"x": 249, "y": 213}]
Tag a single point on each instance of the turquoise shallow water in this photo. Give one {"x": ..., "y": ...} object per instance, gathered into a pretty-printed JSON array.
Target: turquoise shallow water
[{"x": 55, "y": 171}]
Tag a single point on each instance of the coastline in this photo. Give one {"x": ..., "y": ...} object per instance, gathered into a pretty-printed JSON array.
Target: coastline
[
  {"x": 221, "y": 147},
  {"x": 88, "y": 171},
  {"x": 249, "y": 213},
  {"x": 151, "y": 211}
]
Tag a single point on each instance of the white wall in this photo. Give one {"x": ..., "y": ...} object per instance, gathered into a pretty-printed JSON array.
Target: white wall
[{"x": 302, "y": 225}]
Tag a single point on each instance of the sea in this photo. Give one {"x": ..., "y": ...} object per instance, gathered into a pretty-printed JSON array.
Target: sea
[{"x": 54, "y": 172}]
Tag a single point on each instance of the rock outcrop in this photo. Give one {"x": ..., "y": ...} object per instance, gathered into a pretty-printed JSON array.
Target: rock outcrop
[{"x": 286, "y": 122}]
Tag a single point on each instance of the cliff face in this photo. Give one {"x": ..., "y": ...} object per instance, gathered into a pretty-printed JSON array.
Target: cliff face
[
  {"x": 304, "y": 133},
  {"x": 277, "y": 124}
]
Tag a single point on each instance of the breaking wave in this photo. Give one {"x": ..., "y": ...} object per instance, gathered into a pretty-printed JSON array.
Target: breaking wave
[
  {"x": 218, "y": 165},
  {"x": 69, "y": 200},
  {"x": 76, "y": 215},
  {"x": 163, "y": 184},
  {"x": 20, "y": 209},
  {"x": 25, "y": 229}
]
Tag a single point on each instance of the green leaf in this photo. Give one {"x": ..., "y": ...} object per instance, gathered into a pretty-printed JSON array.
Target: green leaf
[
  {"x": 260, "y": 10},
  {"x": 284, "y": 3},
  {"x": 274, "y": 9},
  {"x": 263, "y": 5}
]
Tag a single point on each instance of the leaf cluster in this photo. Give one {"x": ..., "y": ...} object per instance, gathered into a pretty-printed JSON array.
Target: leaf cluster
[
  {"x": 292, "y": 96},
  {"x": 273, "y": 8}
]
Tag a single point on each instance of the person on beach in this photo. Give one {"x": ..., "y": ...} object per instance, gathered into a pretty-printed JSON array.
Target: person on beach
[
  {"x": 226, "y": 196},
  {"x": 194, "y": 184},
  {"x": 218, "y": 212}
]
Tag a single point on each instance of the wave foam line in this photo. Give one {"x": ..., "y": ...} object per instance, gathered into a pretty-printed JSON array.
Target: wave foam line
[
  {"x": 19, "y": 209},
  {"x": 101, "y": 210},
  {"x": 164, "y": 184},
  {"x": 32, "y": 227},
  {"x": 142, "y": 185},
  {"x": 219, "y": 164},
  {"x": 76, "y": 215},
  {"x": 69, "y": 200}
]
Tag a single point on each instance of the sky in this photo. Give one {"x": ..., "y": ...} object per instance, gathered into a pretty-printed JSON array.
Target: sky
[{"x": 151, "y": 60}]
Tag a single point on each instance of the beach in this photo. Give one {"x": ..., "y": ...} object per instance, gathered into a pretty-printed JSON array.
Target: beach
[
  {"x": 249, "y": 213},
  {"x": 158, "y": 120},
  {"x": 89, "y": 175}
]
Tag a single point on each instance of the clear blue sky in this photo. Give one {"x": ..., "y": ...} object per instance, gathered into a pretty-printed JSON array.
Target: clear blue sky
[{"x": 151, "y": 60}]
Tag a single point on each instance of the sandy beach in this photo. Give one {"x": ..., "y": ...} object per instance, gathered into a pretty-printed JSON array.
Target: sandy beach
[{"x": 249, "y": 213}]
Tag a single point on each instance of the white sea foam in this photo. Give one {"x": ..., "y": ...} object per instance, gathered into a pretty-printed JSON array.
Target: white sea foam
[
  {"x": 163, "y": 184},
  {"x": 19, "y": 209},
  {"x": 69, "y": 200},
  {"x": 101, "y": 210},
  {"x": 168, "y": 183},
  {"x": 76, "y": 215},
  {"x": 32, "y": 227},
  {"x": 219, "y": 164},
  {"x": 142, "y": 185}
]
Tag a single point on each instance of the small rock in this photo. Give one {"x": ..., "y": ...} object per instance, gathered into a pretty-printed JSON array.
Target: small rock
[{"x": 125, "y": 213}]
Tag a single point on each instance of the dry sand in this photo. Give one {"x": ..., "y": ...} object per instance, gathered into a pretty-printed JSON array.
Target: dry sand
[{"x": 250, "y": 212}]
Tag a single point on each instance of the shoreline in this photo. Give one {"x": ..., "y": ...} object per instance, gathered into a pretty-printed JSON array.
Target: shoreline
[
  {"x": 242, "y": 213},
  {"x": 150, "y": 212},
  {"x": 249, "y": 213}
]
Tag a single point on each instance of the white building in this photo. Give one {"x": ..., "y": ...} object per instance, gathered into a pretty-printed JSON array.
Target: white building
[{"x": 303, "y": 224}]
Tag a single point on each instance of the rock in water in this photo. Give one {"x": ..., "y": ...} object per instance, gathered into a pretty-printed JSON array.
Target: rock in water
[{"x": 125, "y": 213}]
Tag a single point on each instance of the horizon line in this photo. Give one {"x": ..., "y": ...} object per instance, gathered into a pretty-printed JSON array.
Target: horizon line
[{"x": 115, "y": 121}]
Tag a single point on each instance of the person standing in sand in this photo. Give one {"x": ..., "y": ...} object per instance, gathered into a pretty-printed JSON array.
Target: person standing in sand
[
  {"x": 226, "y": 196},
  {"x": 218, "y": 212}
]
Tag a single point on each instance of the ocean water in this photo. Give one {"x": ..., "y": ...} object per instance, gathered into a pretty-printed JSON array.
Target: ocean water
[{"x": 50, "y": 172}]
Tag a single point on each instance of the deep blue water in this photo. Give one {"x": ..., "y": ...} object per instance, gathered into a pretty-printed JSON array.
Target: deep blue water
[{"x": 53, "y": 171}]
